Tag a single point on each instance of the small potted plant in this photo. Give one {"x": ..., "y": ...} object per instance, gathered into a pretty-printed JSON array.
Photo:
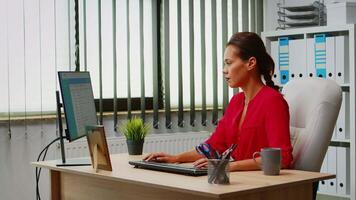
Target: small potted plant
[{"x": 135, "y": 131}]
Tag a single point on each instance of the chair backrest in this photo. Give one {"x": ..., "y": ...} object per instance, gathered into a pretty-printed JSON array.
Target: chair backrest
[{"x": 314, "y": 105}]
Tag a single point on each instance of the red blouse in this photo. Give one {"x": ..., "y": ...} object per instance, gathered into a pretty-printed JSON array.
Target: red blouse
[{"x": 266, "y": 124}]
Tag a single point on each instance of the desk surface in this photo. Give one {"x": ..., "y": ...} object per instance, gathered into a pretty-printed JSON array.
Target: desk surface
[{"x": 240, "y": 182}]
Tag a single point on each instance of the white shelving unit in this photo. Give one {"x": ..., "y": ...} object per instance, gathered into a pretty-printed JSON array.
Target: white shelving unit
[{"x": 343, "y": 30}]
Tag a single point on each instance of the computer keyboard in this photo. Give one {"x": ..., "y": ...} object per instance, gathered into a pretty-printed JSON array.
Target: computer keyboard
[{"x": 167, "y": 167}]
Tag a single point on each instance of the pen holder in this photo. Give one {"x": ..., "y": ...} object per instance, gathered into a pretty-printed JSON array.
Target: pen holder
[{"x": 218, "y": 171}]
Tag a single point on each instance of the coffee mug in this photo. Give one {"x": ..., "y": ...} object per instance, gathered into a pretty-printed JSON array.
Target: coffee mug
[{"x": 271, "y": 160}]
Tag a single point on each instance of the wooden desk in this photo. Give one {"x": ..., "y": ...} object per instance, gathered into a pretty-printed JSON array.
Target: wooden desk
[{"x": 126, "y": 182}]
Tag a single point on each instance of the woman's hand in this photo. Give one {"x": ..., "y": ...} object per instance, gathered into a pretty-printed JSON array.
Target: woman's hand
[
  {"x": 161, "y": 157},
  {"x": 201, "y": 163}
]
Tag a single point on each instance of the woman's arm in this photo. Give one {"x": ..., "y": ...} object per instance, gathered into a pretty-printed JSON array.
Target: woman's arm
[
  {"x": 189, "y": 156},
  {"x": 249, "y": 164},
  {"x": 217, "y": 141},
  {"x": 241, "y": 165},
  {"x": 245, "y": 165},
  {"x": 278, "y": 129}
]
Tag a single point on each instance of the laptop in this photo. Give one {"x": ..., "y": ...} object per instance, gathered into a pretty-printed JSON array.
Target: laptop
[{"x": 172, "y": 168}]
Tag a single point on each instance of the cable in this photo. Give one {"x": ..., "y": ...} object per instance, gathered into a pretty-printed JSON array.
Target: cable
[
  {"x": 38, "y": 169},
  {"x": 38, "y": 174}
]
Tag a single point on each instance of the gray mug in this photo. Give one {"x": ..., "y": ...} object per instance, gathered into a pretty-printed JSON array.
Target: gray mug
[{"x": 271, "y": 160}]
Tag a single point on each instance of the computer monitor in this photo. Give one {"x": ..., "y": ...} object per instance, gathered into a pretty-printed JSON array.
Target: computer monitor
[{"x": 78, "y": 103}]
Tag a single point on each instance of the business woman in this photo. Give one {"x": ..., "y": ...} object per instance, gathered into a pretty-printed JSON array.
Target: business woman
[{"x": 255, "y": 118}]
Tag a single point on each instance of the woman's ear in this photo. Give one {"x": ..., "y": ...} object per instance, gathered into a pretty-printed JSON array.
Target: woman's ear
[{"x": 251, "y": 63}]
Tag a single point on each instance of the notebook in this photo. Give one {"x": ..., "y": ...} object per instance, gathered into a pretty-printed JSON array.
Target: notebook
[{"x": 172, "y": 168}]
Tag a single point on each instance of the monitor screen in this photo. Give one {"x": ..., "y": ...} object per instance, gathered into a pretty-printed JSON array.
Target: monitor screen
[{"x": 78, "y": 103}]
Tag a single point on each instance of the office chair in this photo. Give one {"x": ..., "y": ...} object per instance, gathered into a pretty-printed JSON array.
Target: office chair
[{"x": 314, "y": 105}]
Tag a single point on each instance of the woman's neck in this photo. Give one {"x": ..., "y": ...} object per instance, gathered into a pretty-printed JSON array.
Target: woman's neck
[{"x": 251, "y": 89}]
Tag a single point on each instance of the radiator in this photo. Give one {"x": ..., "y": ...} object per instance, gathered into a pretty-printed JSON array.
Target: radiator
[{"x": 171, "y": 143}]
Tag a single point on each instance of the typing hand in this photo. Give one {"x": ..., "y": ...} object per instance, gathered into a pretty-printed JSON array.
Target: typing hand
[
  {"x": 160, "y": 157},
  {"x": 201, "y": 163}
]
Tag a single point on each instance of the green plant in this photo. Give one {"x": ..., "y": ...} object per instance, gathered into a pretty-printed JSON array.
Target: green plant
[{"x": 135, "y": 129}]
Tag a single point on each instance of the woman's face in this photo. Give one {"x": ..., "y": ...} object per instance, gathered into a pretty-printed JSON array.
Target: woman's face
[{"x": 236, "y": 71}]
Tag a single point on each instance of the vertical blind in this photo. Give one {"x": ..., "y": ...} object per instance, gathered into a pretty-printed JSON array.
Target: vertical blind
[
  {"x": 35, "y": 42},
  {"x": 195, "y": 34},
  {"x": 129, "y": 47}
]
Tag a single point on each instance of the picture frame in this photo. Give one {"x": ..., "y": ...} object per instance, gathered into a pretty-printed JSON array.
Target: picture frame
[{"x": 98, "y": 148}]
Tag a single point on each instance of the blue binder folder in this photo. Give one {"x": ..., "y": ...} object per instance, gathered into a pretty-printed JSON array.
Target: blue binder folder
[
  {"x": 320, "y": 55},
  {"x": 283, "y": 59}
]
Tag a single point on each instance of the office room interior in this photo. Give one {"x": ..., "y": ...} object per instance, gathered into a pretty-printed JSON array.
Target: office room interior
[{"x": 163, "y": 63}]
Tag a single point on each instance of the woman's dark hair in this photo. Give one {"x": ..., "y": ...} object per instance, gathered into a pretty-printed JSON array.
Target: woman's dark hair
[{"x": 250, "y": 45}]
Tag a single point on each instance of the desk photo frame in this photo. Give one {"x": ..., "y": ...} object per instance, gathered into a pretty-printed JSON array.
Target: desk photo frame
[{"x": 98, "y": 148}]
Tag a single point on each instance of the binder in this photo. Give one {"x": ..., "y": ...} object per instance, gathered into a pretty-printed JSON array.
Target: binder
[
  {"x": 297, "y": 52},
  {"x": 275, "y": 57},
  {"x": 343, "y": 121},
  {"x": 341, "y": 59},
  {"x": 330, "y": 57},
  {"x": 283, "y": 59},
  {"x": 331, "y": 186},
  {"x": 324, "y": 169},
  {"x": 310, "y": 58},
  {"x": 343, "y": 170},
  {"x": 320, "y": 55}
]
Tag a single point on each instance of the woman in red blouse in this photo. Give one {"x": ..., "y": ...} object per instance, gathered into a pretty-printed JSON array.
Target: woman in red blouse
[{"x": 256, "y": 118}]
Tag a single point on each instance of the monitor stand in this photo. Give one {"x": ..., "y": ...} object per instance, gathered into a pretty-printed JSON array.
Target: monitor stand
[{"x": 67, "y": 162}]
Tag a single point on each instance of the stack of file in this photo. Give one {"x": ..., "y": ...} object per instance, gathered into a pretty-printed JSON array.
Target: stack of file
[
  {"x": 294, "y": 16},
  {"x": 320, "y": 55},
  {"x": 337, "y": 162}
]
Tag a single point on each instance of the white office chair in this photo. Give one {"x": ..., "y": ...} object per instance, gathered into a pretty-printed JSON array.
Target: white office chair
[{"x": 314, "y": 105}]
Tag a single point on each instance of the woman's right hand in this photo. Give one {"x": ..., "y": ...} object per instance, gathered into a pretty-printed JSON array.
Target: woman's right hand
[
  {"x": 161, "y": 157},
  {"x": 201, "y": 163}
]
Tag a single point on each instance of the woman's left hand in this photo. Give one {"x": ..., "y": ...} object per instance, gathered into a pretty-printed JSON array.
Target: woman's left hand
[{"x": 201, "y": 163}]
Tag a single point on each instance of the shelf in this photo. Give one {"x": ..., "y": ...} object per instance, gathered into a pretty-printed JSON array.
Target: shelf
[
  {"x": 311, "y": 7},
  {"x": 300, "y": 23},
  {"x": 308, "y": 30},
  {"x": 340, "y": 143},
  {"x": 348, "y": 30},
  {"x": 310, "y": 15},
  {"x": 343, "y": 141},
  {"x": 335, "y": 195},
  {"x": 344, "y": 87}
]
